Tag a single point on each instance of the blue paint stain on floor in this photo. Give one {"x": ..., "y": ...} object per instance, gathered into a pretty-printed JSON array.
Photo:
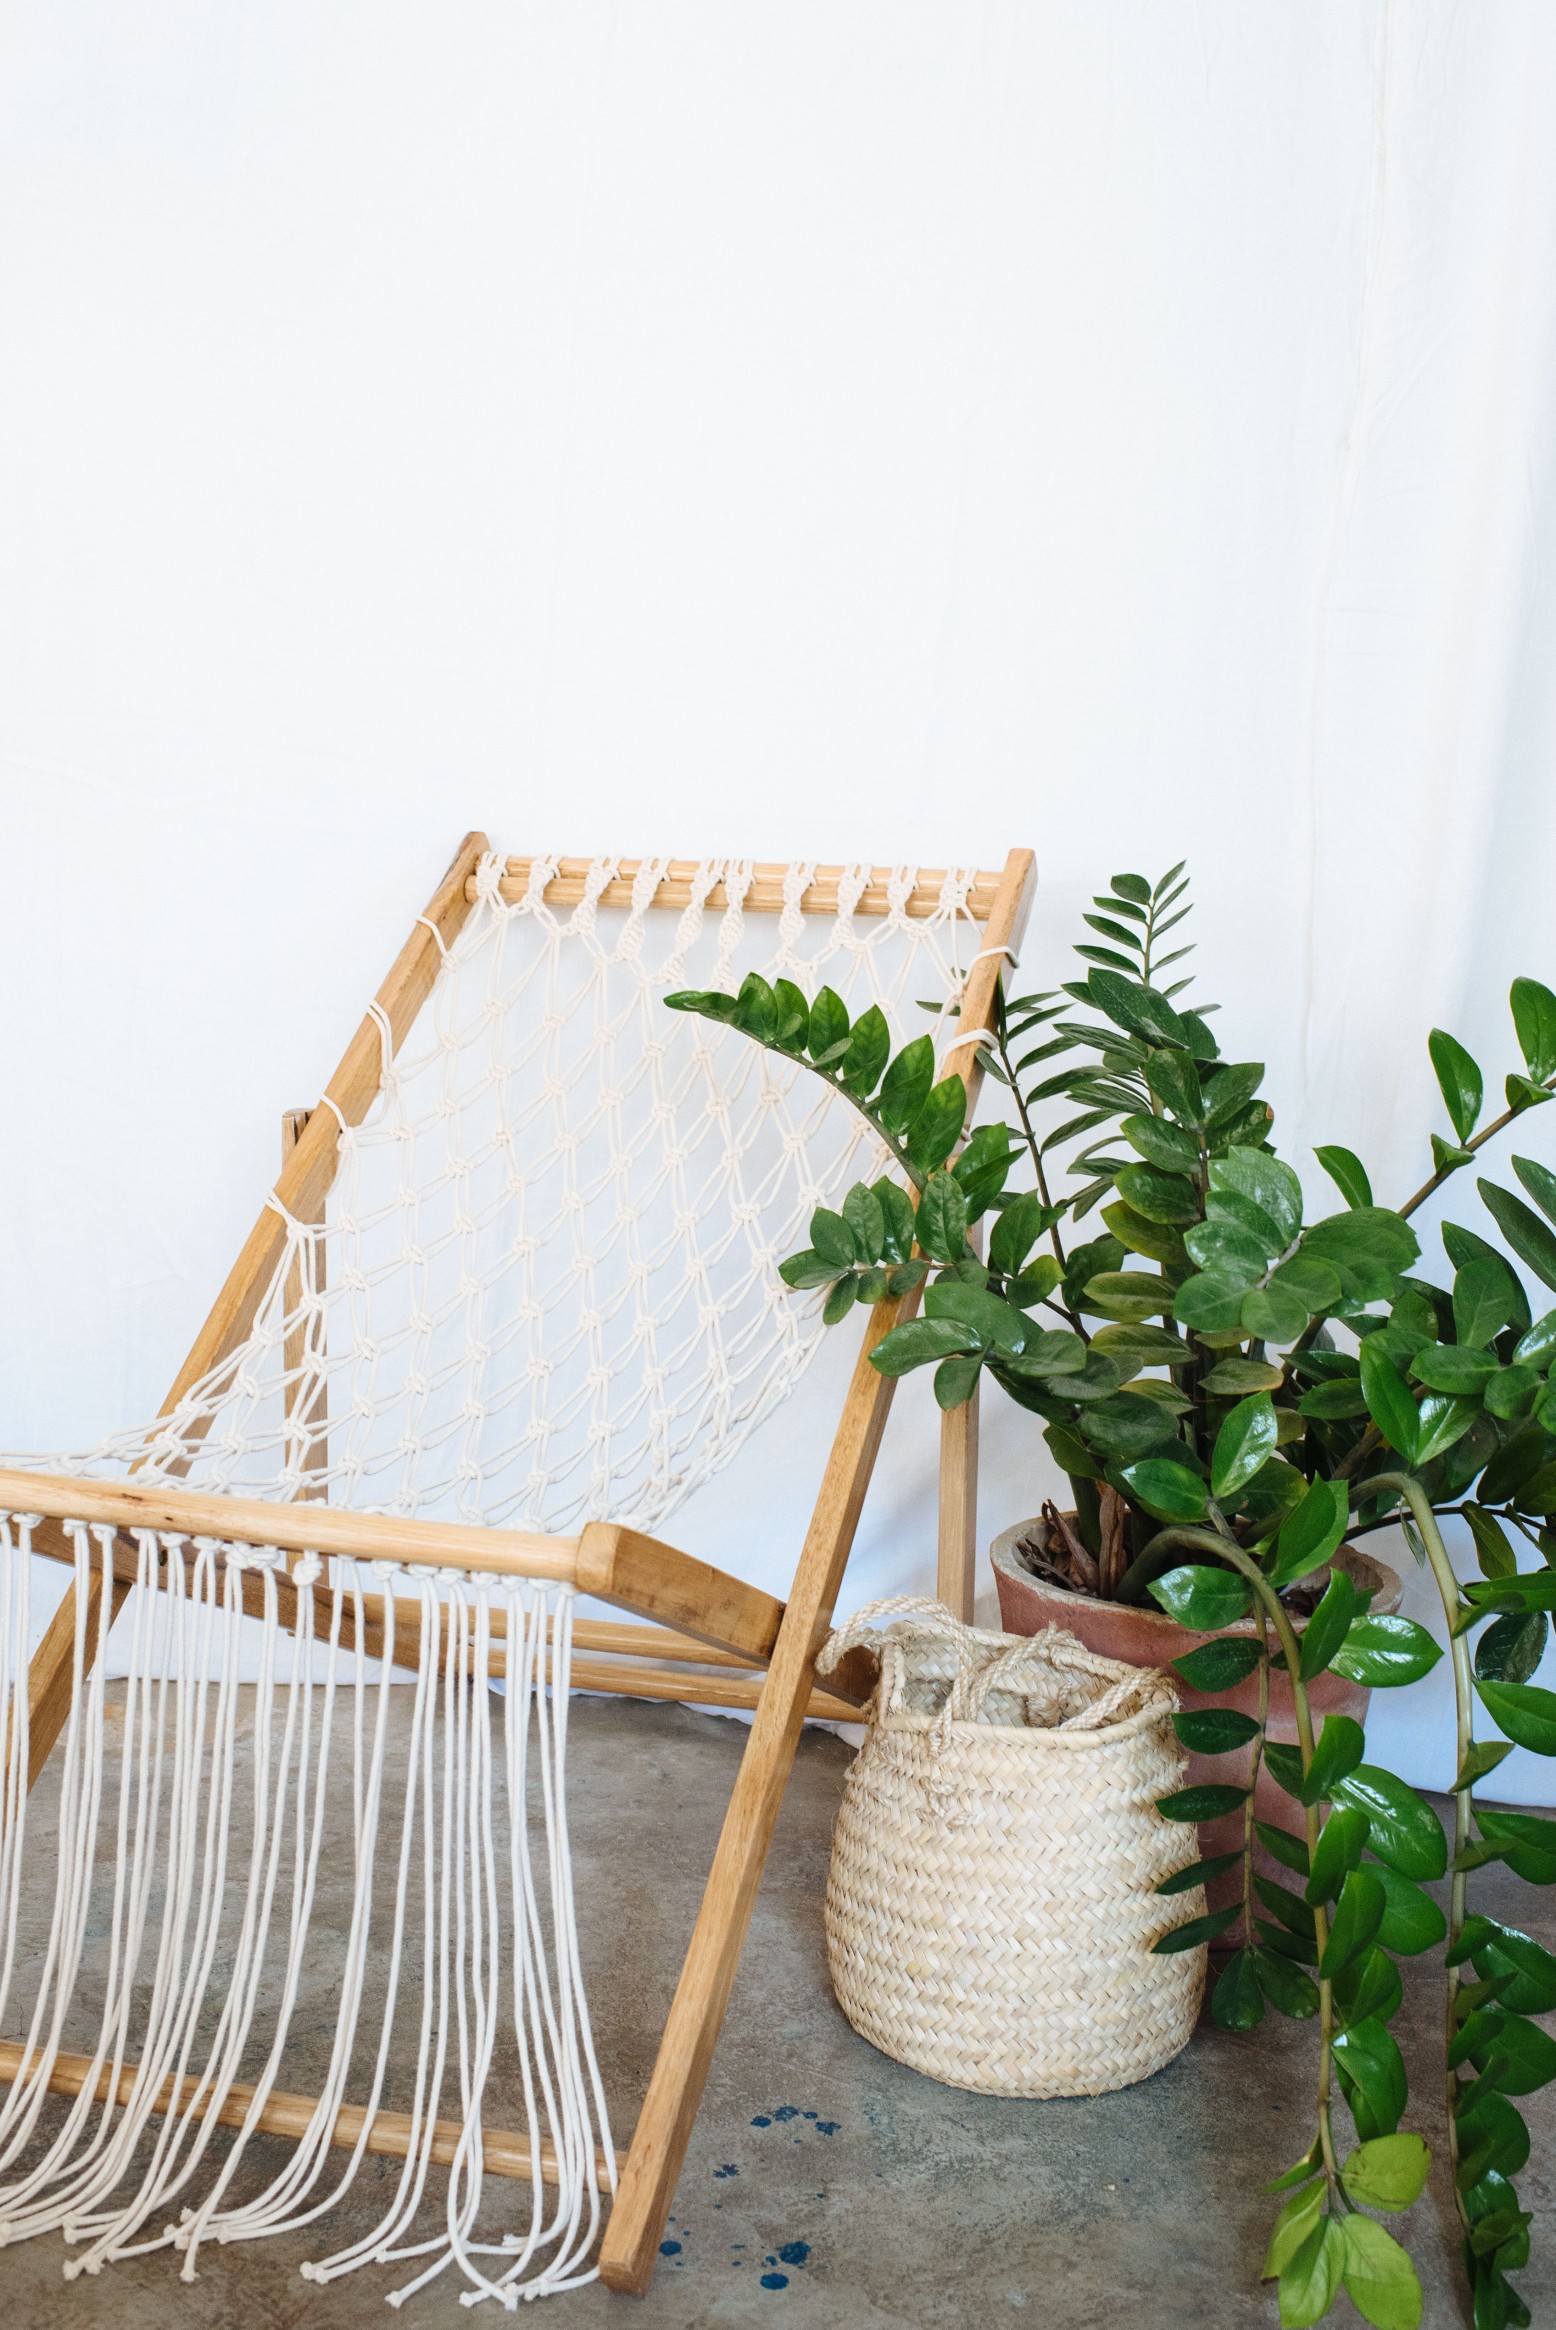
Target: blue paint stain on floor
[
  {"x": 787, "y": 2111},
  {"x": 728, "y": 2169},
  {"x": 828, "y": 2127},
  {"x": 761, "y": 2121},
  {"x": 669, "y": 2248},
  {"x": 775, "y": 2281},
  {"x": 794, "y": 2252}
]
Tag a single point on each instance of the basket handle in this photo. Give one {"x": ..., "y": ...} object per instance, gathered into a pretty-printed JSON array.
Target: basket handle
[{"x": 935, "y": 1623}]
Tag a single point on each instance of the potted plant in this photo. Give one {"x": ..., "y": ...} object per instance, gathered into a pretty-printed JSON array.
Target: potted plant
[{"x": 1237, "y": 1396}]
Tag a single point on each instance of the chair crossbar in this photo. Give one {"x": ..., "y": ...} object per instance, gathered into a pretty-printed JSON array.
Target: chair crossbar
[
  {"x": 390, "y": 2134},
  {"x": 568, "y": 885}
]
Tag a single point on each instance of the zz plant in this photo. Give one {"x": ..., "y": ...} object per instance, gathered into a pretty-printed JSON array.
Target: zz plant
[{"x": 1233, "y": 1390}]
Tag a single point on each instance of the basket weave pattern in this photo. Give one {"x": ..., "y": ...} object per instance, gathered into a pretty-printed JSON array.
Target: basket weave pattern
[{"x": 990, "y": 1905}]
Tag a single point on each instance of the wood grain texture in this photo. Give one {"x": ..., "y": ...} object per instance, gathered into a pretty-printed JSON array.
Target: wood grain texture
[
  {"x": 389, "y": 2133},
  {"x": 765, "y": 896},
  {"x": 956, "y": 1567},
  {"x": 306, "y": 1407},
  {"x": 664, "y": 2127},
  {"x": 638, "y": 1573}
]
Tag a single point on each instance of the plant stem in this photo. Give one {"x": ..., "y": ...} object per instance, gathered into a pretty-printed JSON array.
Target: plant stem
[
  {"x": 1463, "y": 1798},
  {"x": 1445, "y": 1172},
  {"x": 1253, "y": 1784},
  {"x": 1209, "y": 1541}
]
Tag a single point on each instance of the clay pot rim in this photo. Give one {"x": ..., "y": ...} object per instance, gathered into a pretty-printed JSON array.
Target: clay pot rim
[{"x": 1388, "y": 1591}]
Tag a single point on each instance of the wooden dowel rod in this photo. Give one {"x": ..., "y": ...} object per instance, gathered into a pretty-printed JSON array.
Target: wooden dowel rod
[
  {"x": 765, "y": 896},
  {"x": 132, "y": 1504},
  {"x": 291, "y": 2115}
]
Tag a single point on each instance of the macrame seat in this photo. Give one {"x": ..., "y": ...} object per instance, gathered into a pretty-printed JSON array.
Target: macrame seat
[{"x": 513, "y": 1298}]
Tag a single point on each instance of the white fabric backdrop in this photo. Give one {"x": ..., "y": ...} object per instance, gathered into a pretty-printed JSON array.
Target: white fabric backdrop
[{"x": 836, "y": 429}]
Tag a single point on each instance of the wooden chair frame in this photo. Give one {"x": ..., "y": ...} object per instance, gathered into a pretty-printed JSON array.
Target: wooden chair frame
[{"x": 715, "y": 1640}]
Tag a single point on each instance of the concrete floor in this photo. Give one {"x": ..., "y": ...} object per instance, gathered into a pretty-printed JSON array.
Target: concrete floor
[{"x": 826, "y": 2185}]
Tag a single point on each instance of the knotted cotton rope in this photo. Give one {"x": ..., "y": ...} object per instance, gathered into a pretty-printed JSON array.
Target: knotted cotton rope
[{"x": 185, "y": 1936}]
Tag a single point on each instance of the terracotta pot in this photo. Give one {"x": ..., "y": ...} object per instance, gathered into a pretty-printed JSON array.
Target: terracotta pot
[{"x": 1149, "y": 1638}]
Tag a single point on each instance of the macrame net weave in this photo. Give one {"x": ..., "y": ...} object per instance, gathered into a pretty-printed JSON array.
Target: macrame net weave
[
  {"x": 545, "y": 1291},
  {"x": 547, "y": 1287}
]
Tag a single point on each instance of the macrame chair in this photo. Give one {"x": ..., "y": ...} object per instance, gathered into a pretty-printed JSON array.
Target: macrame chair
[{"x": 512, "y": 1297}]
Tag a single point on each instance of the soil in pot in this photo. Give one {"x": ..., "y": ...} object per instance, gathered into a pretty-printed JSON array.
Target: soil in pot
[{"x": 1149, "y": 1638}]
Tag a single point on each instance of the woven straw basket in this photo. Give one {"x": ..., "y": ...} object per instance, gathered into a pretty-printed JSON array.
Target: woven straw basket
[{"x": 990, "y": 1906}]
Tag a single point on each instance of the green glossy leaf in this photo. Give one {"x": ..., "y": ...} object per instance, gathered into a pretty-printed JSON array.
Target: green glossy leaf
[
  {"x": 1481, "y": 1757},
  {"x": 1289, "y": 1990},
  {"x": 1502, "y": 1949},
  {"x": 1199, "y": 1873},
  {"x": 1138, "y": 1345},
  {"x": 1340, "y": 1398},
  {"x": 1531, "y": 1239},
  {"x": 919, "y": 1342},
  {"x": 1388, "y": 1399},
  {"x": 1292, "y": 2227},
  {"x": 829, "y": 1024},
  {"x": 1463, "y": 1247},
  {"x": 1453, "y": 1367},
  {"x": 1368, "y": 2057},
  {"x": 1512, "y": 1647},
  {"x": 1357, "y": 1916},
  {"x": 1540, "y": 1182},
  {"x": 1229, "y": 1088},
  {"x": 1492, "y": 2135},
  {"x": 1441, "y": 1422},
  {"x": 1036, "y": 1282},
  {"x": 1311, "y": 1533},
  {"x": 1329, "y": 1625},
  {"x": 1524, "y": 1712},
  {"x": 1534, "y": 1023},
  {"x": 869, "y": 1048},
  {"x": 1307, "y": 2287},
  {"x": 1522, "y": 2056},
  {"x": 1267, "y": 1182},
  {"x": 841, "y": 1300},
  {"x": 1486, "y": 1298},
  {"x": 1346, "y": 1170},
  {"x": 1458, "y": 1079},
  {"x": 955, "y": 1379},
  {"x": 1279, "y": 1843},
  {"x": 1234, "y": 1379},
  {"x": 1227, "y": 1251},
  {"x": 1412, "y": 1921},
  {"x": 1316, "y": 1284},
  {"x": 1160, "y": 1197},
  {"x": 1528, "y": 1842},
  {"x": 1246, "y": 1439},
  {"x": 1369, "y": 1990},
  {"x": 906, "y": 1085},
  {"x": 1127, "y": 1295},
  {"x": 1138, "y": 1235},
  {"x": 1174, "y": 1080},
  {"x": 1125, "y": 1425},
  {"x": 1219, "y": 1666},
  {"x": 937, "y": 1128},
  {"x": 807, "y": 1270},
  {"x": 1338, "y": 1751},
  {"x": 1202, "y": 1598},
  {"x": 1497, "y": 1558},
  {"x": 1237, "y": 2002},
  {"x": 1207, "y": 1801},
  {"x": 1340, "y": 1844},
  {"x": 1383, "y": 1650},
  {"x": 1510, "y": 1391},
  {"x": 1140, "y": 1011},
  {"x": 1162, "y": 1143},
  {"x": 1015, "y": 1234},
  {"x": 942, "y": 1218},
  {"x": 1538, "y": 1346},
  {"x": 989, "y": 1316},
  {"x": 1369, "y": 1247},
  {"x": 1406, "y": 1832},
  {"x": 1273, "y": 1314},
  {"x": 1197, "y": 1931},
  {"x": 1389, "y": 2173},
  {"x": 1209, "y": 1303},
  {"x": 1167, "y": 1489},
  {"x": 833, "y": 1240},
  {"x": 1379, "y": 2279},
  {"x": 1214, "y": 1731},
  {"x": 866, "y": 1219}
]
